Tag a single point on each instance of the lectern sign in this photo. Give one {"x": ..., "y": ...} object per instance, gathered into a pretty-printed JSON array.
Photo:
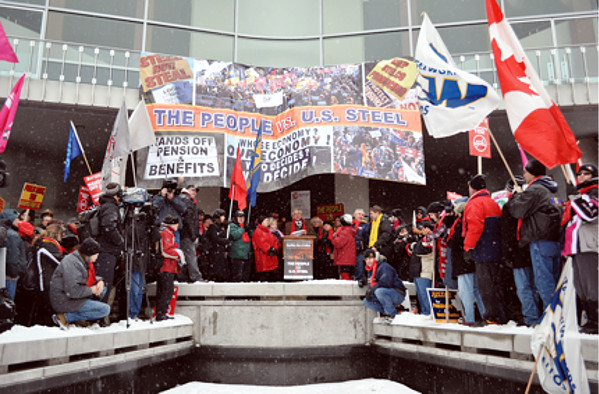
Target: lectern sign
[{"x": 298, "y": 254}]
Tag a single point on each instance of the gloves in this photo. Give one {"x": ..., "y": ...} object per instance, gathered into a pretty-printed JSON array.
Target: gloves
[
  {"x": 271, "y": 251},
  {"x": 369, "y": 294},
  {"x": 571, "y": 190},
  {"x": 469, "y": 256}
]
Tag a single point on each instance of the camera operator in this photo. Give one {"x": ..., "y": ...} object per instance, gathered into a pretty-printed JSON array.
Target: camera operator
[
  {"x": 169, "y": 203},
  {"x": 189, "y": 233},
  {"x": 111, "y": 235}
]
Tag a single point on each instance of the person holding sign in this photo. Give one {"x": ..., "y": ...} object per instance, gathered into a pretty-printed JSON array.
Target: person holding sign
[{"x": 386, "y": 292}]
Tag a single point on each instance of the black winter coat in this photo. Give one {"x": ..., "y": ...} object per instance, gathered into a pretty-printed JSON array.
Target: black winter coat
[
  {"x": 384, "y": 241},
  {"x": 514, "y": 255},
  {"x": 456, "y": 243},
  {"x": 217, "y": 252},
  {"x": 190, "y": 228},
  {"x": 111, "y": 226}
]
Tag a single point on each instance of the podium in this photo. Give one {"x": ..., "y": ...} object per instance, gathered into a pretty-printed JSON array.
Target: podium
[{"x": 298, "y": 257}]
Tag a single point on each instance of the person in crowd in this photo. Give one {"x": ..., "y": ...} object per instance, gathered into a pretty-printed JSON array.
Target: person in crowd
[
  {"x": 362, "y": 229},
  {"x": 16, "y": 260},
  {"x": 581, "y": 243},
  {"x": 274, "y": 228},
  {"x": 219, "y": 246},
  {"x": 27, "y": 215},
  {"x": 45, "y": 217},
  {"x": 337, "y": 223},
  {"x": 111, "y": 237},
  {"x": 203, "y": 247},
  {"x": 323, "y": 267},
  {"x": 381, "y": 232},
  {"x": 401, "y": 245},
  {"x": 189, "y": 233},
  {"x": 421, "y": 215},
  {"x": 344, "y": 242},
  {"x": 240, "y": 248},
  {"x": 396, "y": 218},
  {"x": 539, "y": 225},
  {"x": 297, "y": 225},
  {"x": 443, "y": 220},
  {"x": 75, "y": 289},
  {"x": 48, "y": 252},
  {"x": 482, "y": 245},
  {"x": 265, "y": 251},
  {"x": 518, "y": 258},
  {"x": 422, "y": 265},
  {"x": 169, "y": 203},
  {"x": 464, "y": 271},
  {"x": 173, "y": 258},
  {"x": 386, "y": 291}
]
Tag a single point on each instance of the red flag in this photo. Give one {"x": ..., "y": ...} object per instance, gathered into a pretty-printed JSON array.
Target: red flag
[
  {"x": 237, "y": 179},
  {"x": 536, "y": 121},
  {"x": 8, "y": 112},
  {"x": 6, "y": 51}
]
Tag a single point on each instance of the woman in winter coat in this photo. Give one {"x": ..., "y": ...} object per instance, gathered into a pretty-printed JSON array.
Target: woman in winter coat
[
  {"x": 266, "y": 247},
  {"x": 240, "y": 248},
  {"x": 218, "y": 265},
  {"x": 344, "y": 242},
  {"x": 74, "y": 288}
]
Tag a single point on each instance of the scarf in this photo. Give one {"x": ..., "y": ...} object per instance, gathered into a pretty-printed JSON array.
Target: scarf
[
  {"x": 373, "y": 268},
  {"x": 244, "y": 237},
  {"x": 91, "y": 275},
  {"x": 374, "y": 231},
  {"x": 55, "y": 242}
]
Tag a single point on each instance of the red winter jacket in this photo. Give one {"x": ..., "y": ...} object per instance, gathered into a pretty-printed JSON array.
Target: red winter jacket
[
  {"x": 263, "y": 240},
  {"x": 168, "y": 246},
  {"x": 344, "y": 242},
  {"x": 481, "y": 229}
]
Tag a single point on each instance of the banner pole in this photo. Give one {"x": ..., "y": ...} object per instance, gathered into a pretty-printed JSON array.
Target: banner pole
[
  {"x": 479, "y": 162},
  {"x": 230, "y": 209},
  {"x": 133, "y": 170},
  {"x": 509, "y": 170},
  {"x": 532, "y": 373},
  {"x": 249, "y": 213}
]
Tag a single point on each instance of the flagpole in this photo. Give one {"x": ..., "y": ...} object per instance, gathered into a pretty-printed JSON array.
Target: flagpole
[
  {"x": 479, "y": 164},
  {"x": 81, "y": 147},
  {"x": 249, "y": 212},
  {"x": 509, "y": 170},
  {"x": 231, "y": 208},
  {"x": 132, "y": 169},
  {"x": 532, "y": 374}
]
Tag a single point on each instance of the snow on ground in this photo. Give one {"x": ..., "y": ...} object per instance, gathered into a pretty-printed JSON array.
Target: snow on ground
[
  {"x": 23, "y": 334},
  {"x": 364, "y": 386}
]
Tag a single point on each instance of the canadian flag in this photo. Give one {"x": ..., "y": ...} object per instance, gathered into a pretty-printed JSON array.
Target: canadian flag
[{"x": 536, "y": 121}]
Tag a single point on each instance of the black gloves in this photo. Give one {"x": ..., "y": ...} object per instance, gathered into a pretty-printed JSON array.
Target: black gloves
[
  {"x": 369, "y": 294},
  {"x": 469, "y": 256},
  {"x": 271, "y": 251},
  {"x": 571, "y": 190}
]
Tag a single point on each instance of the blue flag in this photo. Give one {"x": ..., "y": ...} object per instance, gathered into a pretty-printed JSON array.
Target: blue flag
[
  {"x": 73, "y": 150},
  {"x": 254, "y": 176}
]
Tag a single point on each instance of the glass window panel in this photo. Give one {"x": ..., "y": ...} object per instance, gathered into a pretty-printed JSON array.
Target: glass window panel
[
  {"x": 576, "y": 31},
  {"x": 441, "y": 11},
  {"x": 131, "y": 8},
  {"x": 542, "y": 7},
  {"x": 465, "y": 39},
  {"x": 94, "y": 31},
  {"x": 21, "y": 23},
  {"x": 209, "y": 14},
  {"x": 38, "y": 2},
  {"x": 271, "y": 53},
  {"x": 534, "y": 34},
  {"x": 386, "y": 45},
  {"x": 284, "y": 18},
  {"x": 198, "y": 45},
  {"x": 342, "y": 16},
  {"x": 344, "y": 50}
]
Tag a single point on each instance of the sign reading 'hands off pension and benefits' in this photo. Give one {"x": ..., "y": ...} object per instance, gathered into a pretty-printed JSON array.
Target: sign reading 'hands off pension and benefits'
[{"x": 356, "y": 119}]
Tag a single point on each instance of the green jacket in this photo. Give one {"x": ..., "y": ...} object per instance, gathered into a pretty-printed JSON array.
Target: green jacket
[{"x": 239, "y": 248}]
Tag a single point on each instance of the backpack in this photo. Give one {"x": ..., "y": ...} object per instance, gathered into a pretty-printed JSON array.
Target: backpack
[{"x": 89, "y": 224}]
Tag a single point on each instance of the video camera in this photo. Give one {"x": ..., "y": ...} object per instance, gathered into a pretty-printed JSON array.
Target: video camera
[{"x": 134, "y": 196}]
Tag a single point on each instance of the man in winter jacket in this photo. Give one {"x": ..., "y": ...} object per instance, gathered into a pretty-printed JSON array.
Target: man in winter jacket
[
  {"x": 539, "y": 227},
  {"x": 381, "y": 232},
  {"x": 362, "y": 229},
  {"x": 111, "y": 235},
  {"x": 581, "y": 242},
  {"x": 189, "y": 232},
  {"x": 171, "y": 255},
  {"x": 169, "y": 203},
  {"x": 344, "y": 242},
  {"x": 386, "y": 291},
  {"x": 482, "y": 244},
  {"x": 16, "y": 261},
  {"x": 240, "y": 248},
  {"x": 75, "y": 288},
  {"x": 219, "y": 245}
]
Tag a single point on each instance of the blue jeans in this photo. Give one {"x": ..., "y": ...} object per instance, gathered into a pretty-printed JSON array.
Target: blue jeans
[
  {"x": 421, "y": 285},
  {"x": 11, "y": 287},
  {"x": 359, "y": 274},
  {"x": 448, "y": 280},
  {"x": 545, "y": 257},
  {"x": 528, "y": 295},
  {"x": 91, "y": 310},
  {"x": 384, "y": 301},
  {"x": 469, "y": 294},
  {"x": 136, "y": 294}
]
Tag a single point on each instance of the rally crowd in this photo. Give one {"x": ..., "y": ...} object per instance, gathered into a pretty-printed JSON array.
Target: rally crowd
[{"x": 504, "y": 262}]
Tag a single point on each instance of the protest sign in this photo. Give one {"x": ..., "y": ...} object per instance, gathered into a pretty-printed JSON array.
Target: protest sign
[
  {"x": 439, "y": 305},
  {"x": 330, "y": 211},
  {"x": 480, "y": 141},
  {"x": 83, "y": 199},
  {"x": 298, "y": 254},
  {"x": 32, "y": 196},
  {"x": 94, "y": 186}
]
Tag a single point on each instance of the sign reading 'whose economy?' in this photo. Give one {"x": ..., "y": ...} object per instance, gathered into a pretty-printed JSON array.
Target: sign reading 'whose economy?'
[{"x": 355, "y": 119}]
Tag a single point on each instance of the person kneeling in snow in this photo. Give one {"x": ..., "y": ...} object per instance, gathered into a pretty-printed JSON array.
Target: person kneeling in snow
[
  {"x": 74, "y": 288},
  {"x": 386, "y": 291}
]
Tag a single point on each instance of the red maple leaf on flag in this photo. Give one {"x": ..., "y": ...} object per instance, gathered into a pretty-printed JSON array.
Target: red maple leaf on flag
[{"x": 513, "y": 76}]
